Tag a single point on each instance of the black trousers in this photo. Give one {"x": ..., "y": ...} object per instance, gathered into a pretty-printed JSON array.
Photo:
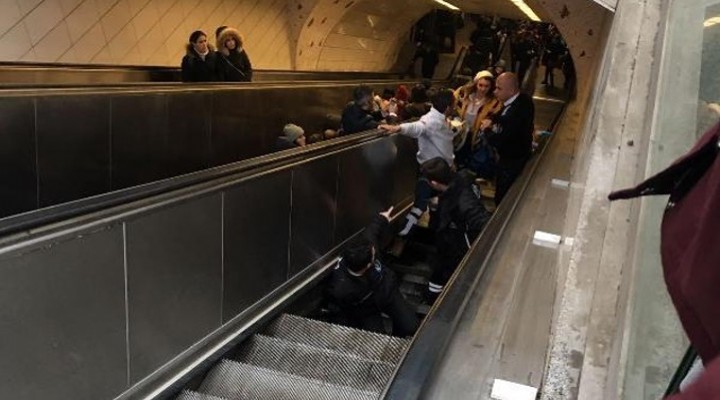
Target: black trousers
[
  {"x": 451, "y": 247},
  {"x": 508, "y": 171},
  {"x": 404, "y": 320}
]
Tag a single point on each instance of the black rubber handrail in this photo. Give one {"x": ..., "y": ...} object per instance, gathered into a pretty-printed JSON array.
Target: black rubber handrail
[
  {"x": 681, "y": 372},
  {"x": 45, "y": 216}
]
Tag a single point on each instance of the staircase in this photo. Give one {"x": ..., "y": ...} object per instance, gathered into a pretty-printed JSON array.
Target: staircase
[{"x": 297, "y": 358}]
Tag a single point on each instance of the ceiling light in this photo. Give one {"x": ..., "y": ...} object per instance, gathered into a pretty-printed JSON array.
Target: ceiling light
[
  {"x": 526, "y": 9},
  {"x": 448, "y": 5},
  {"x": 711, "y": 21}
]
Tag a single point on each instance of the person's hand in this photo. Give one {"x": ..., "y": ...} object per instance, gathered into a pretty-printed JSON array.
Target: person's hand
[
  {"x": 485, "y": 124},
  {"x": 386, "y": 213},
  {"x": 389, "y": 129}
]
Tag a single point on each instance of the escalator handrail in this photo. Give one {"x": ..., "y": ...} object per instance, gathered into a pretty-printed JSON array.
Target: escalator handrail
[
  {"x": 45, "y": 216},
  {"x": 429, "y": 343}
]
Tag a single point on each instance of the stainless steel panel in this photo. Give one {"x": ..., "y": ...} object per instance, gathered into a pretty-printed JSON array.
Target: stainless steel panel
[
  {"x": 175, "y": 283},
  {"x": 18, "y": 179},
  {"x": 238, "y": 127},
  {"x": 139, "y": 139},
  {"x": 365, "y": 185},
  {"x": 406, "y": 167},
  {"x": 314, "y": 187},
  {"x": 257, "y": 230},
  {"x": 73, "y": 147},
  {"x": 62, "y": 323},
  {"x": 189, "y": 120}
]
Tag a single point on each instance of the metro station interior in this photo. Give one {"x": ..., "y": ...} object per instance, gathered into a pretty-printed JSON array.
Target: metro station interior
[{"x": 186, "y": 186}]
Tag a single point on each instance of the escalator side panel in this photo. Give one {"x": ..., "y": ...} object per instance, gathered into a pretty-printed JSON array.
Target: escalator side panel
[
  {"x": 365, "y": 186},
  {"x": 189, "y": 124},
  {"x": 18, "y": 176},
  {"x": 256, "y": 234},
  {"x": 140, "y": 140},
  {"x": 314, "y": 194},
  {"x": 174, "y": 263},
  {"x": 62, "y": 323},
  {"x": 73, "y": 147},
  {"x": 235, "y": 127}
]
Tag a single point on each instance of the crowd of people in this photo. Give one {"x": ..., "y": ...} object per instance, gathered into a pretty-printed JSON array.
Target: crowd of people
[
  {"x": 481, "y": 131},
  {"x": 227, "y": 62}
]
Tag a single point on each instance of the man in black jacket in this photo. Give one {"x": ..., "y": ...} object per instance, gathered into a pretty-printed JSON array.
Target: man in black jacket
[
  {"x": 364, "y": 289},
  {"x": 510, "y": 132},
  {"x": 459, "y": 219},
  {"x": 360, "y": 115}
]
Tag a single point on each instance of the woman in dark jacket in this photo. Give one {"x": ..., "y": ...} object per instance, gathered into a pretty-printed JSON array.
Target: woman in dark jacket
[
  {"x": 200, "y": 63},
  {"x": 233, "y": 63}
]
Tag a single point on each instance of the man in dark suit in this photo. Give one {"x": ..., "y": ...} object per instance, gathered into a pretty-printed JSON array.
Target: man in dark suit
[{"x": 510, "y": 132}]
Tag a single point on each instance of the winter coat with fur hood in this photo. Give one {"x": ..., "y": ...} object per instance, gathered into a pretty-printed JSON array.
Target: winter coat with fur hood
[
  {"x": 197, "y": 69},
  {"x": 233, "y": 65}
]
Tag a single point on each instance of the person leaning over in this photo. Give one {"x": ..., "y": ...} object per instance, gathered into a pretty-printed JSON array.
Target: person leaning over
[
  {"x": 199, "y": 64},
  {"x": 459, "y": 219},
  {"x": 435, "y": 139},
  {"x": 233, "y": 63},
  {"x": 510, "y": 132},
  {"x": 361, "y": 114},
  {"x": 363, "y": 288}
]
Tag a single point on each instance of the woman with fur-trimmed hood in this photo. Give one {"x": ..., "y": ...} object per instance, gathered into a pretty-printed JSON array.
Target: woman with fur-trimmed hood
[
  {"x": 233, "y": 63},
  {"x": 200, "y": 62}
]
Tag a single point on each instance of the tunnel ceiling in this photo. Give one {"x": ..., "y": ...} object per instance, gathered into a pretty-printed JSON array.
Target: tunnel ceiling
[{"x": 501, "y": 8}]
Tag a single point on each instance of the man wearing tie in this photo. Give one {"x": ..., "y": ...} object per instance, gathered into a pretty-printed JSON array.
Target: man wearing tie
[{"x": 510, "y": 132}]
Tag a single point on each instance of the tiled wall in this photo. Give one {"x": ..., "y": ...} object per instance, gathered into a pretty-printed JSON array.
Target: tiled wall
[{"x": 279, "y": 34}]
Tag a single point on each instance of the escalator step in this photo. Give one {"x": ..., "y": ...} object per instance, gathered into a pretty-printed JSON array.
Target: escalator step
[
  {"x": 316, "y": 363},
  {"x": 237, "y": 381},
  {"x": 188, "y": 395},
  {"x": 368, "y": 345}
]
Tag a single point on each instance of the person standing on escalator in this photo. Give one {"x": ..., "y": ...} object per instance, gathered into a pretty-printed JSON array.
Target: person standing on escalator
[
  {"x": 200, "y": 62},
  {"x": 233, "y": 63}
]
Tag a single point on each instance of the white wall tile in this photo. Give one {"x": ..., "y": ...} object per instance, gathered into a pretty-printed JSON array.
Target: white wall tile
[
  {"x": 90, "y": 44},
  {"x": 15, "y": 43},
  {"x": 54, "y": 44},
  {"x": 116, "y": 19},
  {"x": 43, "y": 19},
  {"x": 82, "y": 19},
  {"x": 9, "y": 15},
  {"x": 27, "y": 5},
  {"x": 103, "y": 6},
  {"x": 121, "y": 44},
  {"x": 68, "y": 6}
]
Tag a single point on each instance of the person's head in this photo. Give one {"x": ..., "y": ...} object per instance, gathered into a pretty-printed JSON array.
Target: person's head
[
  {"x": 484, "y": 83},
  {"x": 387, "y": 94},
  {"x": 359, "y": 256},
  {"x": 314, "y": 138},
  {"x": 442, "y": 100},
  {"x": 219, "y": 30},
  {"x": 229, "y": 40},
  {"x": 294, "y": 134},
  {"x": 402, "y": 93},
  {"x": 198, "y": 41},
  {"x": 329, "y": 134},
  {"x": 419, "y": 94},
  {"x": 438, "y": 173},
  {"x": 363, "y": 97},
  {"x": 506, "y": 86}
]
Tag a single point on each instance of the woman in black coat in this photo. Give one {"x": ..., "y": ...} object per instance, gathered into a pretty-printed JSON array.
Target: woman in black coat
[
  {"x": 233, "y": 63},
  {"x": 200, "y": 62}
]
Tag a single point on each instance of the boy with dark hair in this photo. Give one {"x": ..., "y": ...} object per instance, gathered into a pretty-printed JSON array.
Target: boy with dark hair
[
  {"x": 459, "y": 219},
  {"x": 364, "y": 289},
  {"x": 435, "y": 139}
]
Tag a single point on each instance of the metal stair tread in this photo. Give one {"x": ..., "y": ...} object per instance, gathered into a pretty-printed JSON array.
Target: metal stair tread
[
  {"x": 316, "y": 363},
  {"x": 233, "y": 380},
  {"x": 339, "y": 338},
  {"x": 190, "y": 395}
]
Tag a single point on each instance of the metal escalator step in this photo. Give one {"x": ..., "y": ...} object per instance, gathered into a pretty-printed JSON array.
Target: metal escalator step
[
  {"x": 188, "y": 395},
  {"x": 316, "y": 363},
  {"x": 237, "y": 381},
  {"x": 372, "y": 346}
]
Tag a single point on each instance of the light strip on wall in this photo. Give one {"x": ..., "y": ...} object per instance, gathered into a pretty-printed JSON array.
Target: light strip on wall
[
  {"x": 711, "y": 21},
  {"x": 526, "y": 9},
  {"x": 448, "y": 5}
]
